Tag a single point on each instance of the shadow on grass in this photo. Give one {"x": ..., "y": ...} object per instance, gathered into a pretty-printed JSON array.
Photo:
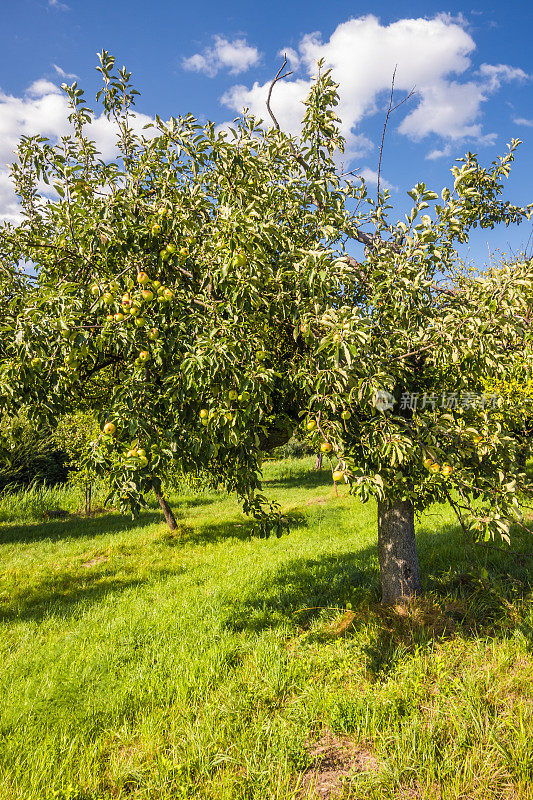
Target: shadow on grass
[
  {"x": 214, "y": 533},
  {"x": 74, "y": 526},
  {"x": 71, "y": 594},
  {"x": 306, "y": 479},
  {"x": 307, "y": 593},
  {"x": 310, "y": 594}
]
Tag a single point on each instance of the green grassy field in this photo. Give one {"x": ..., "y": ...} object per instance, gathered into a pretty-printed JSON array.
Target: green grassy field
[{"x": 208, "y": 664}]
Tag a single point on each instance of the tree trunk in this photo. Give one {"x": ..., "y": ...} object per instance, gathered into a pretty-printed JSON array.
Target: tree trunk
[
  {"x": 318, "y": 462},
  {"x": 398, "y": 559},
  {"x": 167, "y": 511}
]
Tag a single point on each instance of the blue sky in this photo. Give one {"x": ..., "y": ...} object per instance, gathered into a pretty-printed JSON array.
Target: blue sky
[{"x": 472, "y": 67}]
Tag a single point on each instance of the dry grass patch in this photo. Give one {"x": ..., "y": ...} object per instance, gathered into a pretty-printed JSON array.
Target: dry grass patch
[{"x": 334, "y": 759}]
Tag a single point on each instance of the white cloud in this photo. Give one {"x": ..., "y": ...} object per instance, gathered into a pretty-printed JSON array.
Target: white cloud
[
  {"x": 496, "y": 74},
  {"x": 236, "y": 56},
  {"x": 43, "y": 110},
  {"x": 42, "y": 87},
  {"x": 59, "y": 5},
  {"x": 431, "y": 54},
  {"x": 522, "y": 121},
  {"x": 451, "y": 110},
  {"x": 63, "y": 74},
  {"x": 371, "y": 177},
  {"x": 442, "y": 153}
]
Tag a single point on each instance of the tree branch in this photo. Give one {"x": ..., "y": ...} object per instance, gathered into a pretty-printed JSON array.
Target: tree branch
[{"x": 389, "y": 112}]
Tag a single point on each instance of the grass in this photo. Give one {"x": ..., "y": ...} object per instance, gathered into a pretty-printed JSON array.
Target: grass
[{"x": 207, "y": 664}]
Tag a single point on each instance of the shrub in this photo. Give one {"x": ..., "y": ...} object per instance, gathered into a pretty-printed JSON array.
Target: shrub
[
  {"x": 295, "y": 448},
  {"x": 29, "y": 454}
]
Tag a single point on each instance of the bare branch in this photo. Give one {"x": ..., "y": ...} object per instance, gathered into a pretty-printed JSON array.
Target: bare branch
[
  {"x": 389, "y": 112},
  {"x": 300, "y": 159},
  {"x": 278, "y": 77}
]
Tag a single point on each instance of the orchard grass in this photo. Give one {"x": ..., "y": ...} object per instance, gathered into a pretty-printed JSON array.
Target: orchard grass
[{"x": 209, "y": 664}]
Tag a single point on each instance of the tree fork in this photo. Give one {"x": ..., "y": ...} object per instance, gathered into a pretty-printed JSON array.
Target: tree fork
[{"x": 398, "y": 558}]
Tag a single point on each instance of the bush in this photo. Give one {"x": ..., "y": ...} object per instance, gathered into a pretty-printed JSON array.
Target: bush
[
  {"x": 294, "y": 448},
  {"x": 29, "y": 454}
]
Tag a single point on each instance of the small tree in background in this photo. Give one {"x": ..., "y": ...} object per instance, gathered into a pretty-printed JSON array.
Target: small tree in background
[
  {"x": 75, "y": 434},
  {"x": 209, "y": 278}
]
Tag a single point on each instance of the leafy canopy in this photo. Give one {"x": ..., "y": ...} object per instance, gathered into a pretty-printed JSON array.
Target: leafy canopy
[{"x": 202, "y": 289}]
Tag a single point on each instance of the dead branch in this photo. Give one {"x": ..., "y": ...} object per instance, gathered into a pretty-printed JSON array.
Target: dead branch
[
  {"x": 299, "y": 158},
  {"x": 390, "y": 110}
]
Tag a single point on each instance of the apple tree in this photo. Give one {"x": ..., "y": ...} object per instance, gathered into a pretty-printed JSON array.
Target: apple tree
[{"x": 208, "y": 284}]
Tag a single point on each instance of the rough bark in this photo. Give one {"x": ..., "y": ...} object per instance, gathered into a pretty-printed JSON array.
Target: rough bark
[
  {"x": 398, "y": 559},
  {"x": 167, "y": 511},
  {"x": 318, "y": 462}
]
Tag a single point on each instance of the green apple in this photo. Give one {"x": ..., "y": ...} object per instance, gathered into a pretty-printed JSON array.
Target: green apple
[
  {"x": 156, "y": 229},
  {"x": 232, "y": 394},
  {"x": 139, "y": 322},
  {"x": 144, "y": 355},
  {"x": 153, "y": 334},
  {"x": 338, "y": 475},
  {"x": 184, "y": 252},
  {"x": 164, "y": 254},
  {"x": 203, "y": 413},
  {"x": 36, "y": 362},
  {"x": 168, "y": 294},
  {"x": 239, "y": 259},
  {"x": 311, "y": 425},
  {"x": 110, "y": 428},
  {"x": 171, "y": 248},
  {"x": 108, "y": 298},
  {"x": 114, "y": 286},
  {"x": 346, "y": 414},
  {"x": 147, "y": 295},
  {"x": 119, "y": 317},
  {"x": 156, "y": 284},
  {"x": 325, "y": 447},
  {"x": 95, "y": 290},
  {"x": 143, "y": 278},
  {"x": 143, "y": 461}
]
